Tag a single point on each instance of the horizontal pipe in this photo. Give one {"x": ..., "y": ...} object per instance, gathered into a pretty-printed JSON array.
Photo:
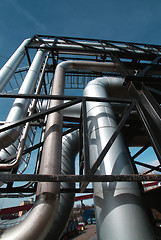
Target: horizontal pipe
[{"x": 91, "y": 46}]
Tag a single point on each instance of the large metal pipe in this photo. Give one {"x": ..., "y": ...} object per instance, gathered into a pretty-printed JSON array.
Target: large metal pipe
[
  {"x": 70, "y": 148},
  {"x": 119, "y": 211},
  {"x": 11, "y": 65},
  {"x": 20, "y": 105},
  {"x": 50, "y": 162},
  {"x": 39, "y": 221}
]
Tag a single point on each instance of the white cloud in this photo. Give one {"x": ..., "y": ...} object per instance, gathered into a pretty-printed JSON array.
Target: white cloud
[{"x": 28, "y": 15}]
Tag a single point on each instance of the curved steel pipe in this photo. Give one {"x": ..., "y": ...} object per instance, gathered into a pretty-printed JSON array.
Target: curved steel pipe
[
  {"x": 39, "y": 221},
  {"x": 70, "y": 148},
  {"x": 20, "y": 105},
  {"x": 118, "y": 204}
]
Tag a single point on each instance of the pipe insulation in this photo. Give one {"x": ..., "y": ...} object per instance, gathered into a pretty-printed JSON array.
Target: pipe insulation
[
  {"x": 11, "y": 65},
  {"x": 119, "y": 210},
  {"x": 39, "y": 221},
  {"x": 20, "y": 105}
]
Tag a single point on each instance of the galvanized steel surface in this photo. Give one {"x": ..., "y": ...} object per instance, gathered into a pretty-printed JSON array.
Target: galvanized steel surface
[{"x": 115, "y": 203}]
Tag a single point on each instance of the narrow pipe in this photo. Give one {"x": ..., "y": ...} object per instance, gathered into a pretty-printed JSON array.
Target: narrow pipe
[
  {"x": 119, "y": 210},
  {"x": 20, "y": 105},
  {"x": 11, "y": 65}
]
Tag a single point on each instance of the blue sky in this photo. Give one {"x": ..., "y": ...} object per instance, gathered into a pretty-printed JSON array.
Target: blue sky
[
  {"x": 134, "y": 21},
  {"x": 131, "y": 21}
]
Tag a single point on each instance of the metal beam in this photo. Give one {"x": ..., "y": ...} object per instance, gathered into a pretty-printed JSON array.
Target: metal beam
[
  {"x": 78, "y": 178},
  {"x": 157, "y": 168},
  {"x": 39, "y": 115},
  {"x": 85, "y": 138},
  {"x": 112, "y": 139},
  {"x": 150, "y": 113}
]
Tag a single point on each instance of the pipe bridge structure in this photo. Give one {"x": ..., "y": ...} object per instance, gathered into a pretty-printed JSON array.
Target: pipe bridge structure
[{"x": 91, "y": 101}]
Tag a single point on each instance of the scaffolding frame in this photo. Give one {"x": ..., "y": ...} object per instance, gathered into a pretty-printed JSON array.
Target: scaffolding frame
[{"x": 139, "y": 66}]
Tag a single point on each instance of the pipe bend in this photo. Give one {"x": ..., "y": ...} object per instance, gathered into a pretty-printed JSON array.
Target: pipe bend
[
  {"x": 109, "y": 205},
  {"x": 65, "y": 65},
  {"x": 38, "y": 222},
  {"x": 87, "y": 65},
  {"x": 113, "y": 86}
]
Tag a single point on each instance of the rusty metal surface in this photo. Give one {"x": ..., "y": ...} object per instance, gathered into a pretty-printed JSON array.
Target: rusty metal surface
[{"x": 79, "y": 178}]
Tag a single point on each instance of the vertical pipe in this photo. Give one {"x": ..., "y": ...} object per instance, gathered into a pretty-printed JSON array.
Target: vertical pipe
[
  {"x": 51, "y": 154},
  {"x": 119, "y": 211},
  {"x": 11, "y": 65},
  {"x": 70, "y": 147}
]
